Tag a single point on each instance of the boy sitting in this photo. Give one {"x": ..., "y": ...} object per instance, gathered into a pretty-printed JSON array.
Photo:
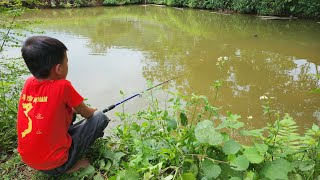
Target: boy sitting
[{"x": 47, "y": 139}]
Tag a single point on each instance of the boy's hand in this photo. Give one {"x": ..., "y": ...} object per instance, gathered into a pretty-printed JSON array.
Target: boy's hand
[{"x": 84, "y": 110}]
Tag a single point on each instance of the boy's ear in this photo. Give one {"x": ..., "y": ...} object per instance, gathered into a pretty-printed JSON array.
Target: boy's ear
[{"x": 57, "y": 69}]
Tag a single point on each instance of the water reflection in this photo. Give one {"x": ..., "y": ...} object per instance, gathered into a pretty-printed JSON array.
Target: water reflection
[{"x": 132, "y": 44}]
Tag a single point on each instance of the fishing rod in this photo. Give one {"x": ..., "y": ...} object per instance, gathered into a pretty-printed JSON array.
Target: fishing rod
[{"x": 138, "y": 94}]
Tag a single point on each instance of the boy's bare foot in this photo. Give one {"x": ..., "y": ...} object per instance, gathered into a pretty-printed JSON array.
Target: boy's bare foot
[{"x": 82, "y": 163}]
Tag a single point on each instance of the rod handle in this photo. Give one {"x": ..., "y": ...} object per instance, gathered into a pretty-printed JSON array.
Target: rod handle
[{"x": 109, "y": 108}]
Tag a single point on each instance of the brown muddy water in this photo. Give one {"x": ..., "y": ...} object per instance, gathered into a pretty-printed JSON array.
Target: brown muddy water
[{"x": 123, "y": 48}]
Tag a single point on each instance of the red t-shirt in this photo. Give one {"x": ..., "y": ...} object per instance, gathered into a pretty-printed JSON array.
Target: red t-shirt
[{"x": 44, "y": 116}]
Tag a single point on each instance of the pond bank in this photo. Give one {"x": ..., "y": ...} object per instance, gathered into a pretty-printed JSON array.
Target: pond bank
[{"x": 302, "y": 9}]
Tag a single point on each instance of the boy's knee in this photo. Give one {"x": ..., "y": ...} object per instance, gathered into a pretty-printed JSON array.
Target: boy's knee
[{"x": 101, "y": 118}]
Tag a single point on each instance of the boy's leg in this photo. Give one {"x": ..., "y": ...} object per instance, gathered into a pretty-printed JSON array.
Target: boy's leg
[{"x": 83, "y": 134}]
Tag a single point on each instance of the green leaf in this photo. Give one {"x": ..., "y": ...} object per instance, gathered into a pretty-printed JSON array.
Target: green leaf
[
  {"x": 171, "y": 124},
  {"x": 240, "y": 163},
  {"x": 235, "y": 178},
  {"x": 262, "y": 148},
  {"x": 128, "y": 174},
  {"x": 316, "y": 90},
  {"x": 253, "y": 155},
  {"x": 118, "y": 156},
  {"x": 183, "y": 119},
  {"x": 115, "y": 157},
  {"x": 231, "y": 147},
  {"x": 98, "y": 177},
  {"x": 281, "y": 166},
  {"x": 315, "y": 127},
  {"x": 205, "y": 133},
  {"x": 86, "y": 172},
  {"x": 233, "y": 117},
  {"x": 210, "y": 170},
  {"x": 306, "y": 165},
  {"x": 254, "y": 132},
  {"x": 190, "y": 167},
  {"x": 296, "y": 177},
  {"x": 292, "y": 8},
  {"x": 187, "y": 176}
]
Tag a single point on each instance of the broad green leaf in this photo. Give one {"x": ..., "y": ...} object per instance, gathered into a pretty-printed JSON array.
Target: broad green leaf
[
  {"x": 171, "y": 124},
  {"x": 183, "y": 119},
  {"x": 235, "y": 178},
  {"x": 117, "y": 156},
  {"x": 128, "y": 174},
  {"x": 190, "y": 167},
  {"x": 306, "y": 165},
  {"x": 229, "y": 171},
  {"x": 253, "y": 155},
  {"x": 315, "y": 127},
  {"x": 240, "y": 163},
  {"x": 86, "y": 172},
  {"x": 262, "y": 148},
  {"x": 205, "y": 133},
  {"x": 102, "y": 164},
  {"x": 98, "y": 177},
  {"x": 187, "y": 176},
  {"x": 230, "y": 124},
  {"x": 277, "y": 169},
  {"x": 296, "y": 177},
  {"x": 292, "y": 8},
  {"x": 231, "y": 147},
  {"x": 210, "y": 170},
  {"x": 250, "y": 175}
]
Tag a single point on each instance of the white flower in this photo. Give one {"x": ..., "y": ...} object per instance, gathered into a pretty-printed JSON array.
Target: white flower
[
  {"x": 225, "y": 58},
  {"x": 263, "y": 97},
  {"x": 250, "y": 117},
  {"x": 220, "y": 59}
]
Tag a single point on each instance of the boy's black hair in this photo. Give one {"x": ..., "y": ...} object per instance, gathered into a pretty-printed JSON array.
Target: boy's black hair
[{"x": 41, "y": 54}]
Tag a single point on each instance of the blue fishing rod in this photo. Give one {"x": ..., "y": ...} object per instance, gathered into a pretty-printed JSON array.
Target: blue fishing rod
[{"x": 138, "y": 94}]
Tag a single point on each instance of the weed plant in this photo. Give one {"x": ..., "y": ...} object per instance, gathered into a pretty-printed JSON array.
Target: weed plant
[{"x": 190, "y": 139}]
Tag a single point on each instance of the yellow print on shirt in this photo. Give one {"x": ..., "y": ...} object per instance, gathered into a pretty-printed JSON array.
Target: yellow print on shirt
[{"x": 27, "y": 107}]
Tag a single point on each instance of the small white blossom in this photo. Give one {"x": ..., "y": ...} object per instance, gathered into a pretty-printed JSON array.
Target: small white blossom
[
  {"x": 220, "y": 59},
  {"x": 250, "y": 117},
  {"x": 225, "y": 58},
  {"x": 263, "y": 97}
]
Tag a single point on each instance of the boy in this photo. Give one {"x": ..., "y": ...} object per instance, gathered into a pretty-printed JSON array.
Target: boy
[{"x": 47, "y": 139}]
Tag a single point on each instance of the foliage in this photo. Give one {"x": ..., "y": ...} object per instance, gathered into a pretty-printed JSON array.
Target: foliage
[
  {"x": 10, "y": 86},
  {"x": 246, "y": 6},
  {"x": 120, "y": 2},
  {"x": 69, "y": 3},
  {"x": 300, "y": 8},
  {"x": 12, "y": 69},
  {"x": 156, "y": 144}
]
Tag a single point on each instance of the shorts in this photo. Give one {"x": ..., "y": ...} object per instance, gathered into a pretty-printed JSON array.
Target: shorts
[{"x": 83, "y": 134}]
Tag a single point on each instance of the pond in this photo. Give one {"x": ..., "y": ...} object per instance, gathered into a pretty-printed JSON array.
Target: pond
[{"x": 124, "y": 48}]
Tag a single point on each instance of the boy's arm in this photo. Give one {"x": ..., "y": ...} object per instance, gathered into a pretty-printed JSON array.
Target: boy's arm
[{"x": 84, "y": 110}]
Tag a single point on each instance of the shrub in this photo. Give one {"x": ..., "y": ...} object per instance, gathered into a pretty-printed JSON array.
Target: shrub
[{"x": 245, "y": 6}]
